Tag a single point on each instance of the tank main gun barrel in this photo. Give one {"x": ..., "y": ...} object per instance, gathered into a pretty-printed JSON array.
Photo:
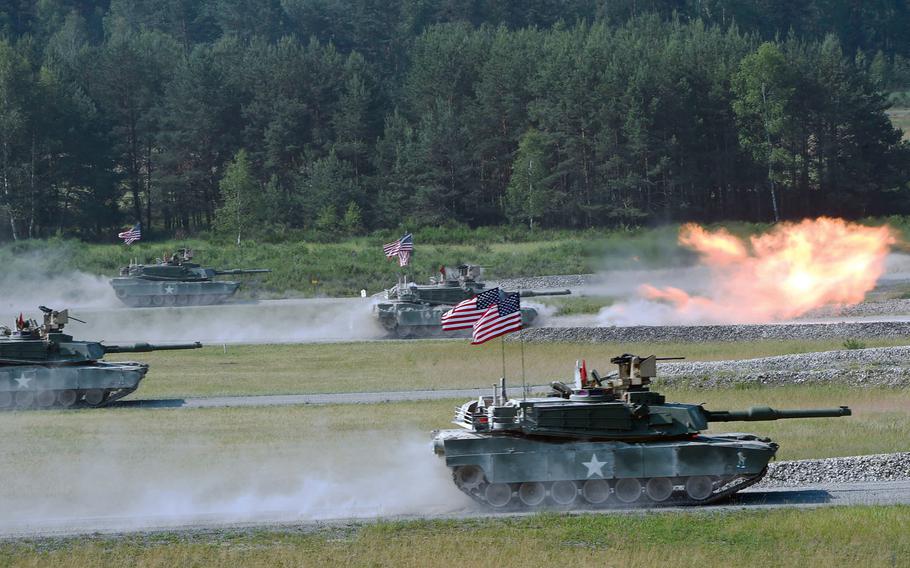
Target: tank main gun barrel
[
  {"x": 146, "y": 347},
  {"x": 760, "y": 413},
  {"x": 533, "y": 294},
  {"x": 242, "y": 271}
]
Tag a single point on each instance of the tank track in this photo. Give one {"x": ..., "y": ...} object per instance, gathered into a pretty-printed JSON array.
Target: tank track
[
  {"x": 64, "y": 399},
  {"x": 721, "y": 489},
  {"x": 178, "y": 300}
]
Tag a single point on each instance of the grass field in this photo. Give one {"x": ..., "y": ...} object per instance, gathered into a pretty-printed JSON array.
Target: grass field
[
  {"x": 880, "y": 424},
  {"x": 409, "y": 365},
  {"x": 322, "y": 462},
  {"x": 838, "y": 536}
]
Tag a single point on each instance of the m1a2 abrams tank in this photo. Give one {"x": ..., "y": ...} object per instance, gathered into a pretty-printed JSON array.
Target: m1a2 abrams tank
[
  {"x": 609, "y": 440},
  {"x": 40, "y": 366},
  {"x": 175, "y": 281},
  {"x": 415, "y": 310}
]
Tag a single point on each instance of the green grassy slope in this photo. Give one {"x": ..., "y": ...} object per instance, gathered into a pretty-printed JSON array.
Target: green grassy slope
[{"x": 305, "y": 267}]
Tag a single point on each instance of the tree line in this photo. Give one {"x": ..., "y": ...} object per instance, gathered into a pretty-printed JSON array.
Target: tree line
[{"x": 258, "y": 117}]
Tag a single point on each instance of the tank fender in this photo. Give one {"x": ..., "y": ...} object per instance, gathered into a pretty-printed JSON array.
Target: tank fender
[{"x": 483, "y": 461}]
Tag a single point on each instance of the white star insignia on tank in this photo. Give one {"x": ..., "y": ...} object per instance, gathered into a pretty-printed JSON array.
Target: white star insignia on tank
[
  {"x": 23, "y": 381},
  {"x": 595, "y": 467},
  {"x": 169, "y": 289},
  {"x": 741, "y": 460}
]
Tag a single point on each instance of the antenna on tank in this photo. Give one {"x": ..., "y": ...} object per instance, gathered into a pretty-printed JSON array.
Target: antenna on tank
[{"x": 521, "y": 341}]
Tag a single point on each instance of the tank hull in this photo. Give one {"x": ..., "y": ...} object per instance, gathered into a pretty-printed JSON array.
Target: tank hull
[
  {"x": 518, "y": 472},
  {"x": 140, "y": 293},
  {"x": 406, "y": 320},
  {"x": 44, "y": 386}
]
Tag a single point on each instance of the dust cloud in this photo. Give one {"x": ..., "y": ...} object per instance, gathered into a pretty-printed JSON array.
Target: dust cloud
[
  {"x": 348, "y": 476},
  {"x": 267, "y": 321},
  {"x": 31, "y": 279}
]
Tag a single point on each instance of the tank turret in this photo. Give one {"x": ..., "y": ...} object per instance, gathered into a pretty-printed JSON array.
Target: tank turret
[
  {"x": 42, "y": 366},
  {"x": 604, "y": 438},
  {"x": 176, "y": 281},
  {"x": 415, "y": 310}
]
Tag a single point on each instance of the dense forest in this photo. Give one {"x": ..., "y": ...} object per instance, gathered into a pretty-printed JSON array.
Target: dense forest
[{"x": 345, "y": 116}]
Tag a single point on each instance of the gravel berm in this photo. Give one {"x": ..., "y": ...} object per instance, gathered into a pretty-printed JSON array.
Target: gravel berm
[
  {"x": 548, "y": 282},
  {"x": 873, "y": 367},
  {"x": 890, "y": 307},
  {"x": 707, "y": 333},
  {"x": 856, "y": 469}
]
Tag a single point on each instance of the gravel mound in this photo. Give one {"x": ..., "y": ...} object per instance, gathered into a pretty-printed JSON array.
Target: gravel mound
[
  {"x": 548, "y": 282},
  {"x": 857, "y": 469},
  {"x": 706, "y": 333},
  {"x": 864, "y": 309},
  {"x": 875, "y": 367}
]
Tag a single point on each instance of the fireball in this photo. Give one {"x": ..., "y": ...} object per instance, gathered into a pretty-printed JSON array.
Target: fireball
[{"x": 782, "y": 274}]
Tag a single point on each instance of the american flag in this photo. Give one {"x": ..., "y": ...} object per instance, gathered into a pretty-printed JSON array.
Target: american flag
[
  {"x": 498, "y": 320},
  {"x": 130, "y": 236},
  {"x": 469, "y": 311},
  {"x": 402, "y": 248}
]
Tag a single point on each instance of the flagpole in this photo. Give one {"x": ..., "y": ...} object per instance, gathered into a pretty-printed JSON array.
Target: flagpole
[
  {"x": 524, "y": 385},
  {"x": 503, "y": 343}
]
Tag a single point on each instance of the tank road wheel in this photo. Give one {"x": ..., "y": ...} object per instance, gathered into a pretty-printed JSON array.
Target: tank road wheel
[
  {"x": 6, "y": 399},
  {"x": 170, "y": 300},
  {"x": 498, "y": 494},
  {"x": 699, "y": 487},
  {"x": 563, "y": 492},
  {"x": 659, "y": 489},
  {"x": 156, "y": 301},
  {"x": 183, "y": 300},
  {"x": 24, "y": 399},
  {"x": 468, "y": 477},
  {"x": 627, "y": 490},
  {"x": 67, "y": 398},
  {"x": 532, "y": 493},
  {"x": 94, "y": 397},
  {"x": 46, "y": 398},
  {"x": 595, "y": 491}
]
